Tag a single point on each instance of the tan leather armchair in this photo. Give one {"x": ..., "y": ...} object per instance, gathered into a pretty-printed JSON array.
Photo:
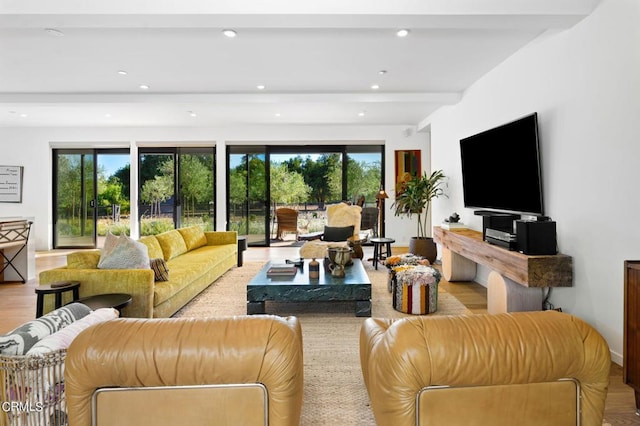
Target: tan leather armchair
[
  {"x": 525, "y": 368},
  {"x": 184, "y": 371}
]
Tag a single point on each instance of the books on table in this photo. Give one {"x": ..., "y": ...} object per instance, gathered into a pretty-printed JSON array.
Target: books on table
[
  {"x": 452, "y": 226},
  {"x": 282, "y": 270}
]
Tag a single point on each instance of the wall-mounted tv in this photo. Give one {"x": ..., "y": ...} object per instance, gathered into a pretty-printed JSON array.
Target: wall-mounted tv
[{"x": 501, "y": 168}]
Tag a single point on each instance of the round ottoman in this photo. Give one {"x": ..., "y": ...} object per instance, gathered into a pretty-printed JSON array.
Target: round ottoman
[{"x": 415, "y": 289}]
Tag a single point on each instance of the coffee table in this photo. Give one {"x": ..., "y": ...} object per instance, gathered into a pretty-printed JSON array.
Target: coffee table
[{"x": 355, "y": 286}]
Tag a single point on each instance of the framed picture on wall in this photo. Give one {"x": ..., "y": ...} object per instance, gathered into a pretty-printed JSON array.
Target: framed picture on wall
[
  {"x": 11, "y": 184},
  {"x": 407, "y": 167}
]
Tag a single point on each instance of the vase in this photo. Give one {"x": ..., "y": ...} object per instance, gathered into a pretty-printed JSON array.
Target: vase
[{"x": 425, "y": 247}]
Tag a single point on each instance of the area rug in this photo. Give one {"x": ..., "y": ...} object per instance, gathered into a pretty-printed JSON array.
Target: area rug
[{"x": 334, "y": 391}]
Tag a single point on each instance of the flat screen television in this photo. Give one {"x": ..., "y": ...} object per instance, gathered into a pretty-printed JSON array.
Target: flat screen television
[{"x": 501, "y": 168}]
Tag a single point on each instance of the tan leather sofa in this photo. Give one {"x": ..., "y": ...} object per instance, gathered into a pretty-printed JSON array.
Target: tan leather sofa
[
  {"x": 525, "y": 368},
  {"x": 245, "y": 370}
]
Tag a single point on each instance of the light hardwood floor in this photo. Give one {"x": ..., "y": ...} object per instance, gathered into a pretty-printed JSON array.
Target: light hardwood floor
[{"x": 18, "y": 305}]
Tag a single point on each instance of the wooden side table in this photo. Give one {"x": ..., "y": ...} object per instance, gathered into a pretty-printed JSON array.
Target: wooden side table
[
  {"x": 381, "y": 249},
  {"x": 56, "y": 289}
]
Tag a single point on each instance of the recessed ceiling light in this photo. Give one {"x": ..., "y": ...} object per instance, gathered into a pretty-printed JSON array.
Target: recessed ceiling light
[
  {"x": 122, "y": 72},
  {"x": 375, "y": 86},
  {"x": 145, "y": 87},
  {"x": 23, "y": 115},
  {"x": 361, "y": 114},
  {"x": 192, "y": 114},
  {"x": 261, "y": 86},
  {"x": 229, "y": 33},
  {"x": 277, "y": 114},
  {"x": 107, "y": 115},
  {"x": 382, "y": 72},
  {"x": 402, "y": 33},
  {"x": 53, "y": 32}
]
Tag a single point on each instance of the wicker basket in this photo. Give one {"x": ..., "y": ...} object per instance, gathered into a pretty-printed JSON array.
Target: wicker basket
[{"x": 32, "y": 389}]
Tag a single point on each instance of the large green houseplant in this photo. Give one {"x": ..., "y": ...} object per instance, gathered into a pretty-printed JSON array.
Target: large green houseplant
[{"x": 415, "y": 199}]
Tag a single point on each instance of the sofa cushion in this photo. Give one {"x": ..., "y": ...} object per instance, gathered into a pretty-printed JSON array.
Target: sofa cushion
[
  {"x": 83, "y": 259},
  {"x": 160, "y": 269},
  {"x": 193, "y": 237},
  {"x": 153, "y": 246},
  {"x": 124, "y": 253},
  {"x": 337, "y": 233},
  {"x": 21, "y": 339},
  {"x": 63, "y": 338},
  {"x": 172, "y": 244}
]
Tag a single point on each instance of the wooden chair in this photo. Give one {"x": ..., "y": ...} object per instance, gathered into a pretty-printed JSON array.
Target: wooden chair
[
  {"x": 370, "y": 220},
  {"x": 287, "y": 220}
]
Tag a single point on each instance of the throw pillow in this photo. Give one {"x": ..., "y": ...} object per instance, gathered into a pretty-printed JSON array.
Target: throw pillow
[
  {"x": 63, "y": 338},
  {"x": 152, "y": 245},
  {"x": 193, "y": 237},
  {"x": 124, "y": 254},
  {"x": 160, "y": 269},
  {"x": 21, "y": 339},
  {"x": 172, "y": 244},
  {"x": 110, "y": 241},
  {"x": 337, "y": 233}
]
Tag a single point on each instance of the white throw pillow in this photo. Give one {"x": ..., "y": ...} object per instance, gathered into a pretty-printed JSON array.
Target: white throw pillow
[
  {"x": 124, "y": 253},
  {"x": 63, "y": 338}
]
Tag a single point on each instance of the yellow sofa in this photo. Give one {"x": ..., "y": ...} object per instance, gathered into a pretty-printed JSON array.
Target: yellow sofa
[
  {"x": 195, "y": 259},
  {"x": 525, "y": 368},
  {"x": 246, "y": 370}
]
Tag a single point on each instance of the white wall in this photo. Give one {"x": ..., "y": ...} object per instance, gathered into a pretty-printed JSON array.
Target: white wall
[
  {"x": 31, "y": 148},
  {"x": 585, "y": 85}
]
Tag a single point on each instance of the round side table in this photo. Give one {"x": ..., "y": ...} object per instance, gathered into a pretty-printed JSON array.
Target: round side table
[
  {"x": 56, "y": 289},
  {"x": 381, "y": 249},
  {"x": 109, "y": 300}
]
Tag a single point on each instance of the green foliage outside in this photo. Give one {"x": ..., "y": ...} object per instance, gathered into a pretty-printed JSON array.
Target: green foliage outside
[
  {"x": 287, "y": 187},
  {"x": 363, "y": 179},
  {"x": 156, "y": 226},
  {"x": 158, "y": 189}
]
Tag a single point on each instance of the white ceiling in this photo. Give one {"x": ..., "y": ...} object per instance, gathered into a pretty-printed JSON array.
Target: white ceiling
[{"x": 317, "y": 60}]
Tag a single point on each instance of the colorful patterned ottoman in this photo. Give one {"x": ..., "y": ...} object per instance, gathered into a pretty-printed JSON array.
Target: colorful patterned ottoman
[
  {"x": 401, "y": 259},
  {"x": 415, "y": 290}
]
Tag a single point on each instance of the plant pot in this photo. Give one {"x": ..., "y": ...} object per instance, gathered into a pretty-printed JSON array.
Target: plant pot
[{"x": 424, "y": 247}]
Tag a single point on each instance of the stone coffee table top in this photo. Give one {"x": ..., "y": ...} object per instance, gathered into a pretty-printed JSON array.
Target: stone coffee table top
[{"x": 355, "y": 286}]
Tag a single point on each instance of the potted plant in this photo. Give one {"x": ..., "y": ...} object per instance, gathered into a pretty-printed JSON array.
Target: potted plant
[{"x": 415, "y": 199}]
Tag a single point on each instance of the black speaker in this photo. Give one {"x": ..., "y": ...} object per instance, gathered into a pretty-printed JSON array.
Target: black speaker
[{"x": 536, "y": 237}]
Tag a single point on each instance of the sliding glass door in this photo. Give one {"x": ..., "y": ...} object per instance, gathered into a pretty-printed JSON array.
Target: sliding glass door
[
  {"x": 176, "y": 188},
  {"x": 262, "y": 179},
  {"x": 74, "y": 199},
  {"x": 247, "y": 195},
  {"x": 90, "y": 196}
]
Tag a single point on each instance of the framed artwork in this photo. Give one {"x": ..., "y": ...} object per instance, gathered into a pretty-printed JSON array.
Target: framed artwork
[
  {"x": 11, "y": 184},
  {"x": 407, "y": 167}
]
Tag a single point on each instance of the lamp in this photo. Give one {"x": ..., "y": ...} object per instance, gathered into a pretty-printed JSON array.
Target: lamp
[{"x": 380, "y": 196}]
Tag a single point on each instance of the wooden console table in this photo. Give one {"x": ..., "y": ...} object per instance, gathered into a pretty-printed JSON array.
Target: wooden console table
[{"x": 516, "y": 280}]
